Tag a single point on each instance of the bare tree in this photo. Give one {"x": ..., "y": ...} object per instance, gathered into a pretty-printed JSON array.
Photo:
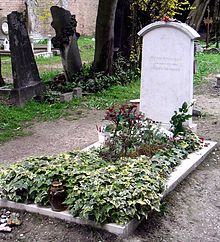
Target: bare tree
[{"x": 196, "y": 15}]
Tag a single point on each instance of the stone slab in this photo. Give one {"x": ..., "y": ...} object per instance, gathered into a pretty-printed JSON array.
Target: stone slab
[
  {"x": 77, "y": 92},
  {"x": 44, "y": 54},
  {"x": 167, "y": 69},
  {"x": 66, "y": 97},
  {"x": 65, "y": 215},
  {"x": 19, "y": 96},
  {"x": 181, "y": 172},
  {"x": 188, "y": 165},
  {"x": 218, "y": 80}
]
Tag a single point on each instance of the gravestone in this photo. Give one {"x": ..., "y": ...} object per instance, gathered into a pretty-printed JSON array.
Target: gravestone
[
  {"x": 31, "y": 10},
  {"x": 2, "y": 82},
  {"x": 167, "y": 69},
  {"x": 26, "y": 79},
  {"x": 66, "y": 40}
]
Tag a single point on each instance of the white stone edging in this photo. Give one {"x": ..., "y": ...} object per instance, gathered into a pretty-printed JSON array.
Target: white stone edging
[{"x": 180, "y": 173}]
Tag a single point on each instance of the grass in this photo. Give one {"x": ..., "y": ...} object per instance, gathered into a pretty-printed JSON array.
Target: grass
[
  {"x": 87, "y": 48},
  {"x": 13, "y": 120},
  {"x": 112, "y": 96},
  {"x": 207, "y": 64},
  {"x": 53, "y": 65}
]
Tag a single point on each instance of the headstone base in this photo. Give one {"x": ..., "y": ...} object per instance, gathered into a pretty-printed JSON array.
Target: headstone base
[
  {"x": 136, "y": 102},
  {"x": 19, "y": 96},
  {"x": 193, "y": 127},
  {"x": 66, "y": 97}
]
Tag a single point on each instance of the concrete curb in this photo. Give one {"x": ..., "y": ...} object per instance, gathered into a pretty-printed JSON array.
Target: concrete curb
[{"x": 180, "y": 173}]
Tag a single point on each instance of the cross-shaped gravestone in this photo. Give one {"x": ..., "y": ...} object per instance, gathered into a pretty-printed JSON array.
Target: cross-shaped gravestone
[{"x": 208, "y": 22}]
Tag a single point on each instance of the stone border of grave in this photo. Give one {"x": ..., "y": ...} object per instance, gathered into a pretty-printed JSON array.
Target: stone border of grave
[{"x": 178, "y": 175}]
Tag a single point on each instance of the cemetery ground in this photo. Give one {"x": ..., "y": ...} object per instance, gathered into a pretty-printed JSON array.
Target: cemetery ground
[{"x": 191, "y": 212}]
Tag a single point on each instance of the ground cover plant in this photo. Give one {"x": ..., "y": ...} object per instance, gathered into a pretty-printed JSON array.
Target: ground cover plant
[{"x": 102, "y": 189}]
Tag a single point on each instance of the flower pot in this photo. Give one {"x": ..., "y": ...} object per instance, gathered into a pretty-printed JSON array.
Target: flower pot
[
  {"x": 57, "y": 196},
  {"x": 103, "y": 137}
]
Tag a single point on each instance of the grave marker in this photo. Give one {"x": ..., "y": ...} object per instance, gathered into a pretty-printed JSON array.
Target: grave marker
[
  {"x": 26, "y": 79},
  {"x": 167, "y": 69}
]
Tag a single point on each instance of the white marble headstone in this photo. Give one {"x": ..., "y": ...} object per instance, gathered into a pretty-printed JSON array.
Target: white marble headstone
[{"x": 167, "y": 69}]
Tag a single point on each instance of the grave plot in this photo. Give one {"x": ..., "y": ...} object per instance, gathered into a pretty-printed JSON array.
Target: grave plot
[
  {"x": 105, "y": 188},
  {"x": 181, "y": 172},
  {"x": 114, "y": 186}
]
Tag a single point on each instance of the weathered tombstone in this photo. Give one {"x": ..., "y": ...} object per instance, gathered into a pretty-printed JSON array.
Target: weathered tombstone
[
  {"x": 208, "y": 23},
  {"x": 167, "y": 69},
  {"x": 66, "y": 40},
  {"x": 31, "y": 15},
  {"x": 49, "y": 44},
  {"x": 2, "y": 82},
  {"x": 26, "y": 79},
  {"x": 6, "y": 44}
]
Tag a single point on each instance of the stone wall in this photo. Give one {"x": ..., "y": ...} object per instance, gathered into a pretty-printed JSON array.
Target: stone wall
[
  {"x": 85, "y": 11},
  {"x": 8, "y": 6}
]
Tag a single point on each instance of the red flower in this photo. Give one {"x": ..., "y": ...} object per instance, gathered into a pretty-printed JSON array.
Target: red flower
[
  {"x": 166, "y": 19},
  {"x": 202, "y": 139}
]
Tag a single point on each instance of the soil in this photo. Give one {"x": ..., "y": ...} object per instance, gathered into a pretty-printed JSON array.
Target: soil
[{"x": 191, "y": 212}]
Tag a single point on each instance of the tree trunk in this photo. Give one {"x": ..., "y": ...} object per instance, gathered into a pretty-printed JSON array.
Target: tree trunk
[
  {"x": 123, "y": 28},
  {"x": 104, "y": 35},
  {"x": 216, "y": 18},
  {"x": 196, "y": 15}
]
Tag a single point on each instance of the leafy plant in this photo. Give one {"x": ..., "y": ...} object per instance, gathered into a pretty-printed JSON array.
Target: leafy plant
[
  {"x": 178, "y": 119},
  {"x": 98, "y": 189},
  {"x": 94, "y": 82},
  {"x": 132, "y": 134}
]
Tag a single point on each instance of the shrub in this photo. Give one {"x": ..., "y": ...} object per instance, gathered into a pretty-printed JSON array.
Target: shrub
[
  {"x": 131, "y": 134},
  {"x": 92, "y": 82},
  {"x": 179, "y": 118}
]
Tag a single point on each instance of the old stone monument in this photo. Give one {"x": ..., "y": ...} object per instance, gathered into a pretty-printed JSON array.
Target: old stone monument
[
  {"x": 31, "y": 15},
  {"x": 26, "y": 80},
  {"x": 66, "y": 40},
  {"x": 167, "y": 69}
]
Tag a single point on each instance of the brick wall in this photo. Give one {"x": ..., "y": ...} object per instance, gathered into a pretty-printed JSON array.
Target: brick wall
[
  {"x": 85, "y": 11},
  {"x": 8, "y": 6}
]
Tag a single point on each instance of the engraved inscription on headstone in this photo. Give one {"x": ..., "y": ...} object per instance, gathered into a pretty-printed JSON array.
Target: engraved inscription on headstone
[{"x": 159, "y": 63}]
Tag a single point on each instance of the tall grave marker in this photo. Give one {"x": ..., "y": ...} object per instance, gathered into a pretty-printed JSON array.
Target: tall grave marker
[
  {"x": 26, "y": 79},
  {"x": 167, "y": 69}
]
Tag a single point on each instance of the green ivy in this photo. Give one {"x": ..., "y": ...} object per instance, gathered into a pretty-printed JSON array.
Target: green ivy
[
  {"x": 97, "y": 189},
  {"x": 124, "y": 73},
  {"x": 179, "y": 118}
]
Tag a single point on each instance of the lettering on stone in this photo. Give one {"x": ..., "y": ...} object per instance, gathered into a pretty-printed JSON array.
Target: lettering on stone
[{"x": 159, "y": 63}]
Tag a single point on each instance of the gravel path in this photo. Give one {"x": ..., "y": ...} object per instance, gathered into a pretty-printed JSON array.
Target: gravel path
[
  {"x": 192, "y": 213},
  {"x": 55, "y": 137}
]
